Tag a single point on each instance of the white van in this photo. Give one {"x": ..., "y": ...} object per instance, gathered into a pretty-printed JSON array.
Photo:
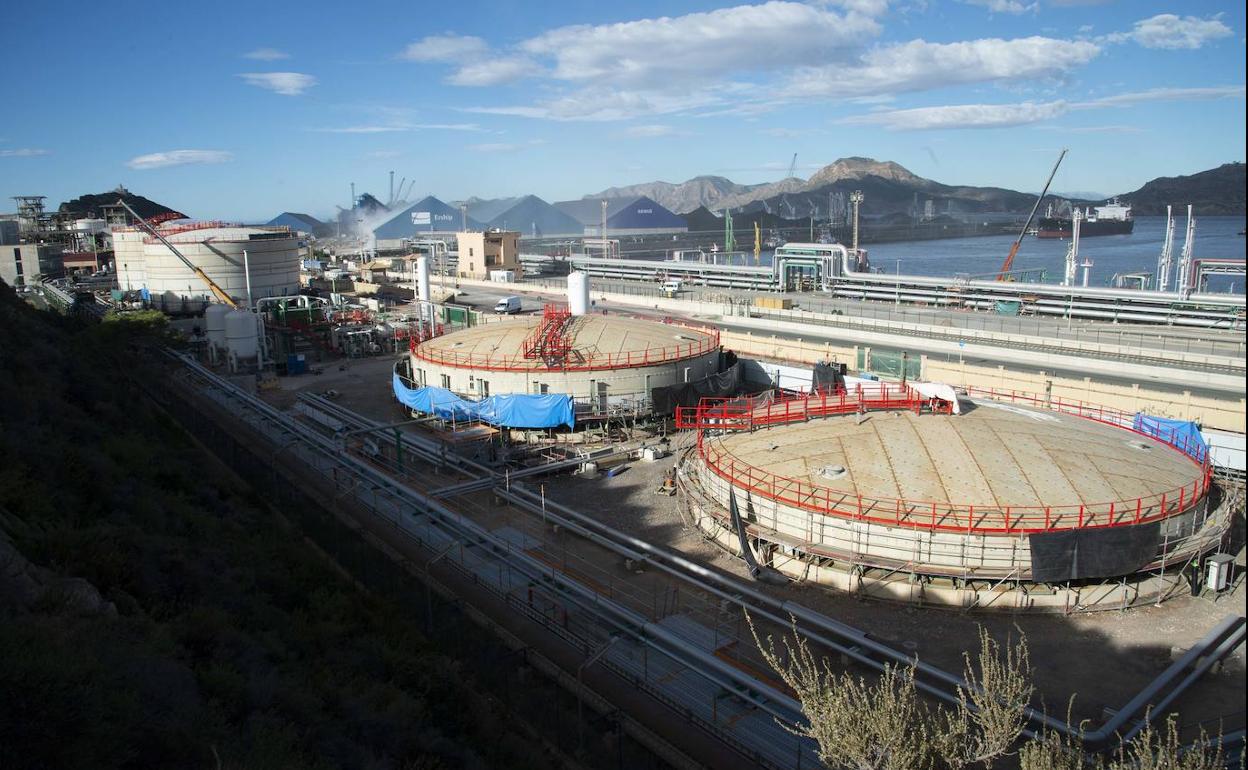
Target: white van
[
  {"x": 672, "y": 285},
  {"x": 508, "y": 305}
]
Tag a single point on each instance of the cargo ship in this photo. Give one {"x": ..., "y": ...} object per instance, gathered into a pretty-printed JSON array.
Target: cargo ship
[{"x": 1111, "y": 219}]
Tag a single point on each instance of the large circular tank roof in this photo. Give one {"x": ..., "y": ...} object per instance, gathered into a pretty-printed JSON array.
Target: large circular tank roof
[
  {"x": 597, "y": 342},
  {"x": 996, "y": 467}
]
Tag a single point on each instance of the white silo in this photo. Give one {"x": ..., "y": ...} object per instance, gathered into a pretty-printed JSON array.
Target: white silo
[
  {"x": 214, "y": 327},
  {"x": 423, "y": 294},
  {"x": 128, "y": 258},
  {"x": 241, "y": 338},
  {"x": 578, "y": 293}
]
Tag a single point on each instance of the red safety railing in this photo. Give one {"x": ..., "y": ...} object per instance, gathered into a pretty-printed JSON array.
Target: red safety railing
[
  {"x": 583, "y": 360},
  {"x": 928, "y": 514},
  {"x": 776, "y": 409},
  {"x": 207, "y": 225}
]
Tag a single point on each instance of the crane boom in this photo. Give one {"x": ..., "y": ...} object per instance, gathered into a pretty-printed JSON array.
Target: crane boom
[
  {"x": 216, "y": 290},
  {"x": 792, "y": 166},
  {"x": 1009, "y": 260}
]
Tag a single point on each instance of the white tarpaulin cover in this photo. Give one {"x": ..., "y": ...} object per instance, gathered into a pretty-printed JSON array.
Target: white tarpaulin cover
[{"x": 938, "y": 390}]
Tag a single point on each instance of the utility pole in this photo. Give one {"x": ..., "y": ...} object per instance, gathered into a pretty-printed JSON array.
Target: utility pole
[
  {"x": 463, "y": 218},
  {"x": 856, "y": 199},
  {"x": 603, "y": 232}
]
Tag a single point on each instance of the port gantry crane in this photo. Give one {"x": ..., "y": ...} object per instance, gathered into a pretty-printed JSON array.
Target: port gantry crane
[
  {"x": 1009, "y": 260},
  {"x": 148, "y": 228}
]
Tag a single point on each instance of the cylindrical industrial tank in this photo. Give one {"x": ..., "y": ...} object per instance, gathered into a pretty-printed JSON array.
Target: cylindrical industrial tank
[
  {"x": 240, "y": 334},
  {"x": 422, "y": 279},
  {"x": 214, "y": 324},
  {"x": 128, "y": 258},
  {"x": 578, "y": 293}
]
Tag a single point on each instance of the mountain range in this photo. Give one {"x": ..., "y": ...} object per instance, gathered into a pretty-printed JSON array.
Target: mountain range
[{"x": 890, "y": 190}]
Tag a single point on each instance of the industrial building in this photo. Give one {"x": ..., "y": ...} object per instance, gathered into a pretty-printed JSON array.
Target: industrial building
[
  {"x": 247, "y": 262},
  {"x": 481, "y": 253},
  {"x": 529, "y": 214},
  {"x": 428, "y": 215},
  {"x": 301, "y": 223},
  {"x": 27, "y": 263},
  {"x": 888, "y": 492},
  {"x": 624, "y": 216}
]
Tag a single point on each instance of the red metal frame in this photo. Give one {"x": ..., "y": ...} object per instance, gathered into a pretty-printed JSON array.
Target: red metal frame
[
  {"x": 551, "y": 339},
  {"x": 747, "y": 414}
]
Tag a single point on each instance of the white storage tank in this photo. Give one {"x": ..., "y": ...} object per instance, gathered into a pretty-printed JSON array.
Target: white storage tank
[
  {"x": 128, "y": 258},
  {"x": 214, "y": 324},
  {"x": 217, "y": 249},
  {"x": 241, "y": 338},
  {"x": 578, "y": 293}
]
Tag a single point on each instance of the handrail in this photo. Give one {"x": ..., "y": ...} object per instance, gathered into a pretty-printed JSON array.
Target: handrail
[{"x": 930, "y": 515}]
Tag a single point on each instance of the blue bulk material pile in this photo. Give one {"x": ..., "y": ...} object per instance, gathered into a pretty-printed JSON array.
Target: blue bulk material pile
[
  {"x": 1183, "y": 435},
  {"x": 509, "y": 411}
]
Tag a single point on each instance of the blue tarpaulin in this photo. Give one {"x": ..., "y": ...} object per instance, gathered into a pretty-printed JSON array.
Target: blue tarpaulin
[
  {"x": 509, "y": 411},
  {"x": 1181, "y": 434}
]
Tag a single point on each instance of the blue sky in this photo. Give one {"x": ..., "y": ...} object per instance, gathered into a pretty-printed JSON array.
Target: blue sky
[{"x": 243, "y": 110}]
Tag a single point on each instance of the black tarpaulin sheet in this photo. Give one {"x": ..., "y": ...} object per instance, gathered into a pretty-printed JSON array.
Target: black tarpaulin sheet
[
  {"x": 828, "y": 377},
  {"x": 726, "y": 383},
  {"x": 1075, "y": 554}
]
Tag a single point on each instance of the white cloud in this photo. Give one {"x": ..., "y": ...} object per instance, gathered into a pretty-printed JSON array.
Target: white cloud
[
  {"x": 23, "y": 152},
  {"x": 445, "y": 48},
  {"x": 383, "y": 154},
  {"x": 864, "y": 7},
  {"x": 178, "y": 158},
  {"x": 961, "y": 116},
  {"x": 650, "y": 131},
  {"x": 744, "y": 60},
  {"x": 505, "y": 146},
  {"x": 688, "y": 48},
  {"x": 266, "y": 54},
  {"x": 1163, "y": 95},
  {"x": 490, "y": 72},
  {"x": 391, "y": 128},
  {"x": 285, "y": 83},
  {"x": 1006, "y": 115},
  {"x": 791, "y": 133},
  {"x": 1004, "y": 6},
  {"x": 594, "y": 104},
  {"x": 1110, "y": 129},
  {"x": 919, "y": 65},
  {"x": 1169, "y": 31}
]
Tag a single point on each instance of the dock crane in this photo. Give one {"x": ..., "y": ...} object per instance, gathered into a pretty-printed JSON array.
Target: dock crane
[
  {"x": 792, "y": 166},
  {"x": 146, "y": 227},
  {"x": 1009, "y": 260}
]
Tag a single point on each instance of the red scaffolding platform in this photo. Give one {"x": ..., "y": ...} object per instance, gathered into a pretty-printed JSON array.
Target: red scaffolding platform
[{"x": 551, "y": 339}]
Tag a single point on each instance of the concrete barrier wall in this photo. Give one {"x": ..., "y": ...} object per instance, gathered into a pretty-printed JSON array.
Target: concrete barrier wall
[{"x": 1216, "y": 413}]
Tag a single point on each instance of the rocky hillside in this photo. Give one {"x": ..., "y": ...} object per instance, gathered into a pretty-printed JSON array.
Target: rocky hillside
[
  {"x": 889, "y": 187},
  {"x": 684, "y": 197},
  {"x": 1216, "y": 192}
]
